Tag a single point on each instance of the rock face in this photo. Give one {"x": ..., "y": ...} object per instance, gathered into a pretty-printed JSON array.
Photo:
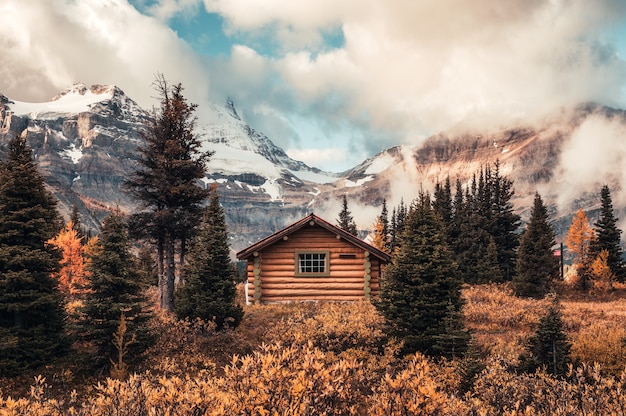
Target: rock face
[{"x": 85, "y": 143}]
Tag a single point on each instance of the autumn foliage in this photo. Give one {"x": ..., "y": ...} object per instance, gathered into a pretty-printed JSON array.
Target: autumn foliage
[
  {"x": 334, "y": 359},
  {"x": 72, "y": 274}
]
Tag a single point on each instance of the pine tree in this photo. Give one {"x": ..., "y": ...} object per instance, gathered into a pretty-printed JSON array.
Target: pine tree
[
  {"x": 77, "y": 224},
  {"x": 116, "y": 288},
  {"x": 209, "y": 291},
  {"x": 167, "y": 184},
  {"x": 482, "y": 214},
  {"x": 608, "y": 236},
  {"x": 505, "y": 221},
  {"x": 421, "y": 288},
  {"x": 345, "y": 220},
  {"x": 442, "y": 201},
  {"x": 31, "y": 308},
  {"x": 549, "y": 347},
  {"x": 579, "y": 241},
  {"x": 537, "y": 267}
]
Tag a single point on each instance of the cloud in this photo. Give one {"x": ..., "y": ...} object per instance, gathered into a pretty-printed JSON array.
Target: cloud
[
  {"x": 594, "y": 156},
  {"x": 50, "y": 44},
  {"x": 411, "y": 69},
  {"x": 399, "y": 72},
  {"x": 316, "y": 157}
]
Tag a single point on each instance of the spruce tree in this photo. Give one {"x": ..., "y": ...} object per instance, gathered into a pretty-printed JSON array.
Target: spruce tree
[
  {"x": 345, "y": 220},
  {"x": 420, "y": 294},
  {"x": 77, "y": 224},
  {"x": 116, "y": 288},
  {"x": 167, "y": 184},
  {"x": 209, "y": 291},
  {"x": 537, "y": 267},
  {"x": 608, "y": 236},
  {"x": 31, "y": 306},
  {"x": 549, "y": 346}
]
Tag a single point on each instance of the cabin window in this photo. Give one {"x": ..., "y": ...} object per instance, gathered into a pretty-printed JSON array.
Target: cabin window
[{"x": 312, "y": 263}]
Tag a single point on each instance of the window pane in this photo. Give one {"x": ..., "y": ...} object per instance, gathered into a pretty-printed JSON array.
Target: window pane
[{"x": 312, "y": 262}]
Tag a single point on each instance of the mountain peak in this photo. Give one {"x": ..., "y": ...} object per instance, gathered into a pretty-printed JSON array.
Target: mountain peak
[{"x": 230, "y": 106}]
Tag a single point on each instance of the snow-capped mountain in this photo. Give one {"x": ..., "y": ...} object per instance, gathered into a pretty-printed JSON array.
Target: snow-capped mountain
[{"x": 85, "y": 142}]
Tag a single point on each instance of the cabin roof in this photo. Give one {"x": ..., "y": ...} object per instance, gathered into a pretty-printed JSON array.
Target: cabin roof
[{"x": 277, "y": 236}]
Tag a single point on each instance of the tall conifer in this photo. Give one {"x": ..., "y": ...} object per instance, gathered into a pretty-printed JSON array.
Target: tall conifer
[
  {"x": 420, "y": 295},
  {"x": 167, "y": 184},
  {"x": 116, "y": 287},
  {"x": 608, "y": 236},
  {"x": 31, "y": 309},
  {"x": 345, "y": 220},
  {"x": 209, "y": 290},
  {"x": 537, "y": 266}
]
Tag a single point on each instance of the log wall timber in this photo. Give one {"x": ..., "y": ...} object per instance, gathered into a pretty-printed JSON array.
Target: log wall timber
[{"x": 353, "y": 273}]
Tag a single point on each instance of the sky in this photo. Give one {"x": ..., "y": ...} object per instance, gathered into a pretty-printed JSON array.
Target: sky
[{"x": 332, "y": 82}]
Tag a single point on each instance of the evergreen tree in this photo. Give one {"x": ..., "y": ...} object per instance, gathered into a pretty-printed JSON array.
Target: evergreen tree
[
  {"x": 537, "y": 267},
  {"x": 116, "y": 289},
  {"x": 209, "y": 291},
  {"x": 442, "y": 201},
  {"x": 345, "y": 220},
  {"x": 608, "y": 236},
  {"x": 549, "y": 347},
  {"x": 31, "y": 308},
  {"x": 505, "y": 221},
  {"x": 77, "y": 225},
  {"x": 167, "y": 184},
  {"x": 420, "y": 295},
  {"x": 483, "y": 215}
]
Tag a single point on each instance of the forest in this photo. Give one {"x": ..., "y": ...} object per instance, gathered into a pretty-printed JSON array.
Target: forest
[{"x": 477, "y": 313}]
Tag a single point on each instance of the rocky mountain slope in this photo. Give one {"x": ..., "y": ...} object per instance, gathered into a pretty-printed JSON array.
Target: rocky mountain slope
[{"x": 85, "y": 142}]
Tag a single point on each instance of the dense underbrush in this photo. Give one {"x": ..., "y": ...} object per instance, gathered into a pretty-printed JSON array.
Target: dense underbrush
[{"x": 334, "y": 359}]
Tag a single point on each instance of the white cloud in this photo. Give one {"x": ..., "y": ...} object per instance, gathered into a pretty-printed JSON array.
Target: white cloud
[
  {"x": 415, "y": 68},
  {"x": 50, "y": 44},
  {"x": 403, "y": 70},
  {"x": 594, "y": 156},
  {"x": 326, "y": 159}
]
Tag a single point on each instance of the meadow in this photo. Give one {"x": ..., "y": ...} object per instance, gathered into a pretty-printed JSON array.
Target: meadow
[{"x": 334, "y": 359}]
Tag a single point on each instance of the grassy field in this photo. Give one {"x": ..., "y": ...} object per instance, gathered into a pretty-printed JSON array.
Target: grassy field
[{"x": 298, "y": 357}]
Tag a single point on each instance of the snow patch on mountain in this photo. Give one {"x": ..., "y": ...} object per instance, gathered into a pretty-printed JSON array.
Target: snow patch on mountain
[
  {"x": 360, "y": 182},
  {"x": 77, "y": 99},
  {"x": 380, "y": 163},
  {"x": 73, "y": 153}
]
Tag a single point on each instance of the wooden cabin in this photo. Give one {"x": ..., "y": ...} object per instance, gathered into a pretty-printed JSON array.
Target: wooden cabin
[{"x": 312, "y": 260}]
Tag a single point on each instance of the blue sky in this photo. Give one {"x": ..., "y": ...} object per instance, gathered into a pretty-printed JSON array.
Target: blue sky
[{"x": 330, "y": 81}]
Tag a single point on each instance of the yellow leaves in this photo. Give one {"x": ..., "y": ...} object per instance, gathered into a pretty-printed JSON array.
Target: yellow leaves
[
  {"x": 601, "y": 272},
  {"x": 72, "y": 275},
  {"x": 580, "y": 237}
]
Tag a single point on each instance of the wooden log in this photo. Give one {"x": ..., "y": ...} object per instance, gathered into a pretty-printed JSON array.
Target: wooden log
[
  {"x": 312, "y": 285},
  {"x": 283, "y": 299},
  {"x": 312, "y": 292},
  {"x": 321, "y": 279}
]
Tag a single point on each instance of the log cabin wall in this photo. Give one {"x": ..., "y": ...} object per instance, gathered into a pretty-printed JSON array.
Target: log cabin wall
[{"x": 352, "y": 274}]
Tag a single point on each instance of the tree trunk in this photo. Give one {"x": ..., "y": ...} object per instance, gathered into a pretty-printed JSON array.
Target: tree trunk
[
  {"x": 161, "y": 270},
  {"x": 183, "y": 251},
  {"x": 170, "y": 274}
]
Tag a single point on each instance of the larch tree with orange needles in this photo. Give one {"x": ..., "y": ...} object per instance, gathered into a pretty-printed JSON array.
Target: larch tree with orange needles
[
  {"x": 71, "y": 276},
  {"x": 579, "y": 242}
]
